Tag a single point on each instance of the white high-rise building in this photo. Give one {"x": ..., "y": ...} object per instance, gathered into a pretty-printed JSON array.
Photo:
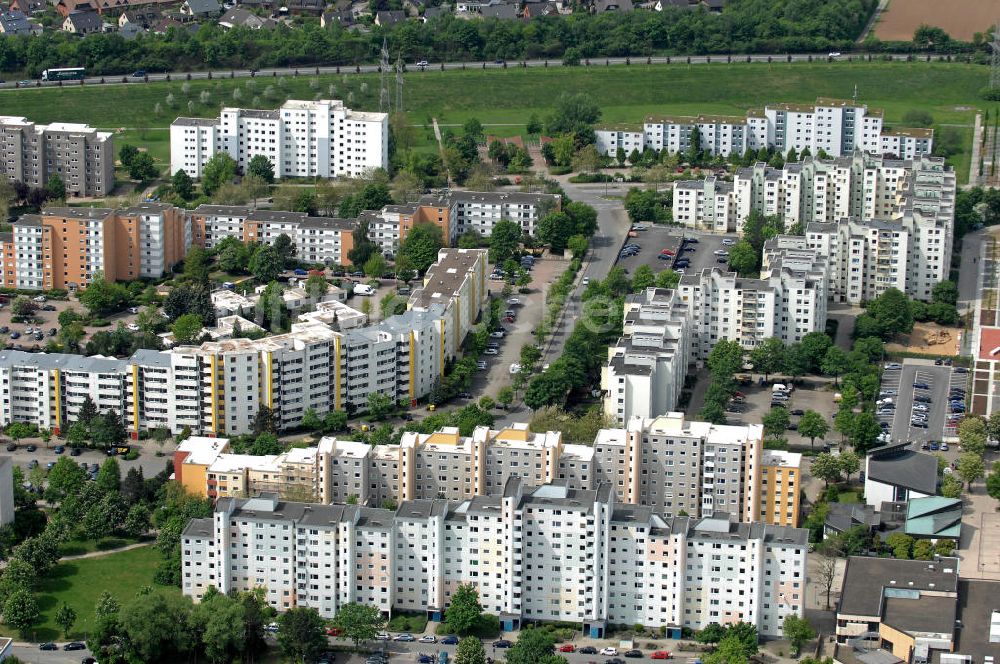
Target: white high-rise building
[
  {"x": 301, "y": 139},
  {"x": 835, "y": 127},
  {"x": 548, "y": 553}
]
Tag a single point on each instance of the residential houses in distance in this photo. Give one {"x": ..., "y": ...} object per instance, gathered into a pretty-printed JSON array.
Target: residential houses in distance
[
  {"x": 836, "y": 127},
  {"x": 302, "y": 139}
]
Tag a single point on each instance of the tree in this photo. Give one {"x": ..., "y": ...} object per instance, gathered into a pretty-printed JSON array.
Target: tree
[
  {"x": 713, "y": 632},
  {"x": 813, "y": 425},
  {"x": 505, "y": 396},
  {"x": 573, "y": 114},
  {"x": 850, "y": 463},
  {"x": 301, "y": 633},
  {"x": 945, "y": 292},
  {"x": 729, "y": 651},
  {"x": 534, "y": 126},
  {"x": 65, "y": 617},
  {"x": 359, "y": 622},
  {"x": 775, "y": 422},
  {"x": 643, "y": 279},
  {"x": 218, "y": 170},
  {"x": 421, "y": 245},
  {"x": 814, "y": 346},
  {"x": 65, "y": 479},
  {"x": 379, "y": 405},
  {"x": 743, "y": 258},
  {"x": 951, "y": 487},
  {"x": 182, "y": 184},
  {"x": 892, "y": 313},
  {"x": 126, "y": 154},
  {"x": 103, "y": 297},
  {"x": 55, "y": 188},
  {"x": 21, "y": 610},
  {"x": 261, "y": 167},
  {"x": 533, "y": 646},
  {"x": 156, "y": 627},
  {"x": 285, "y": 249},
  {"x": 826, "y": 573},
  {"x": 865, "y": 433},
  {"x": 827, "y": 468},
  {"x": 555, "y": 229},
  {"x": 797, "y": 631},
  {"x": 109, "y": 477},
  {"x": 23, "y": 307},
  {"x": 504, "y": 240},
  {"x": 143, "y": 168},
  {"x": 972, "y": 435},
  {"x": 768, "y": 357},
  {"x": 835, "y": 363},
  {"x": 993, "y": 483},
  {"x": 376, "y": 266},
  {"x": 187, "y": 329},
  {"x": 970, "y": 468},
  {"x": 587, "y": 160},
  {"x": 901, "y": 545},
  {"x": 725, "y": 359},
  {"x": 464, "y": 611},
  {"x": 266, "y": 264},
  {"x": 470, "y": 651}
]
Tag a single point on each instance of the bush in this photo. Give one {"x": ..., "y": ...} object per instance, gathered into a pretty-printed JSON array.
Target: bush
[
  {"x": 560, "y": 170},
  {"x": 132, "y": 455},
  {"x": 488, "y": 628},
  {"x": 408, "y": 622},
  {"x": 109, "y": 543}
]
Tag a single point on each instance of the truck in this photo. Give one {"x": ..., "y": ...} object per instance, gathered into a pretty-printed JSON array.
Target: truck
[{"x": 364, "y": 289}]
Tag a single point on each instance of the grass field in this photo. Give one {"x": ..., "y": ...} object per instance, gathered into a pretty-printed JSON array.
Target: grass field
[
  {"x": 961, "y": 19},
  {"x": 79, "y": 583},
  {"x": 507, "y": 98}
]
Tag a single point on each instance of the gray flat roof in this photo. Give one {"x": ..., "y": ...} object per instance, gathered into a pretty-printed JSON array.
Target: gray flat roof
[
  {"x": 926, "y": 614},
  {"x": 977, "y": 600},
  {"x": 905, "y": 468},
  {"x": 866, "y": 578}
]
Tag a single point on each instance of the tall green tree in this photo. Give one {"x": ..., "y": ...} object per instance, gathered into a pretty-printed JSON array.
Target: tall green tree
[
  {"x": 359, "y": 622},
  {"x": 266, "y": 264},
  {"x": 301, "y": 633},
  {"x": 182, "y": 184},
  {"x": 798, "y": 631},
  {"x": 464, "y": 611},
  {"x": 827, "y": 468},
  {"x": 262, "y": 167},
  {"x": 421, "y": 245},
  {"x": 534, "y": 646},
  {"x": 217, "y": 171},
  {"x": 768, "y": 357},
  {"x": 743, "y": 258},
  {"x": 65, "y": 618},
  {"x": 470, "y": 651},
  {"x": 21, "y": 611},
  {"x": 504, "y": 240},
  {"x": 776, "y": 422},
  {"x": 834, "y": 363},
  {"x": 813, "y": 425},
  {"x": 970, "y": 468}
]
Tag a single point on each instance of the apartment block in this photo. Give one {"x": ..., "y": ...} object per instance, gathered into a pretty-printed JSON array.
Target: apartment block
[
  {"x": 63, "y": 247},
  {"x": 780, "y": 487},
  {"x": 836, "y": 127},
  {"x": 317, "y": 239},
  {"x": 547, "y": 553},
  {"x": 787, "y": 302},
  {"x": 82, "y": 157},
  {"x": 217, "y": 388},
  {"x": 456, "y": 212},
  {"x": 301, "y": 139},
  {"x": 646, "y": 367},
  {"x": 709, "y": 204}
]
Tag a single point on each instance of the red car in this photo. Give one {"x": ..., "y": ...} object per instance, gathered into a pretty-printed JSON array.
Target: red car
[
  {"x": 667, "y": 252},
  {"x": 333, "y": 631},
  {"x": 661, "y": 654},
  {"x": 567, "y": 647}
]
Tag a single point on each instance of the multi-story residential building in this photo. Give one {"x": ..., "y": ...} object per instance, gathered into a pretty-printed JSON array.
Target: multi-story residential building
[
  {"x": 710, "y": 204},
  {"x": 63, "y": 247},
  {"x": 646, "y": 368},
  {"x": 316, "y": 239},
  {"x": 82, "y": 157},
  {"x": 787, "y": 302},
  {"x": 301, "y": 139},
  {"x": 456, "y": 212},
  {"x": 667, "y": 463},
  {"x": 780, "y": 487},
  {"x": 835, "y": 127},
  {"x": 548, "y": 553},
  {"x": 218, "y": 387}
]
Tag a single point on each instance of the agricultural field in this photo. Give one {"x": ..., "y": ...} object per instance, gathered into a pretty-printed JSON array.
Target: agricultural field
[
  {"x": 504, "y": 100},
  {"x": 961, "y": 19}
]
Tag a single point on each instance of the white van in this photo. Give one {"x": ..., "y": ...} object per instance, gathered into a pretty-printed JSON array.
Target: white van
[
  {"x": 364, "y": 289},
  {"x": 778, "y": 387}
]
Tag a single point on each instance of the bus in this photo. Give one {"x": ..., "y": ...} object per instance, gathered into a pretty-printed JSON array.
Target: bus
[{"x": 65, "y": 74}]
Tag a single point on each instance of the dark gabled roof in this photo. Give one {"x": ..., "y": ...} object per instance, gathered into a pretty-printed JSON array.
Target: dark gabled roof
[
  {"x": 899, "y": 466},
  {"x": 391, "y": 17},
  {"x": 613, "y": 5},
  {"x": 204, "y": 6},
  {"x": 85, "y": 20},
  {"x": 501, "y": 11}
]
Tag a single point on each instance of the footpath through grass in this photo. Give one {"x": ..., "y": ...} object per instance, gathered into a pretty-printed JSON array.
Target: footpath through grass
[
  {"x": 508, "y": 97},
  {"x": 79, "y": 583}
]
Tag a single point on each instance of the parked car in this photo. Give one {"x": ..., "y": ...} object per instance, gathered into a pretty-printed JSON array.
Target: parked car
[
  {"x": 586, "y": 281},
  {"x": 633, "y": 653},
  {"x": 491, "y": 351},
  {"x": 32, "y": 447},
  {"x": 567, "y": 647},
  {"x": 48, "y": 646},
  {"x": 59, "y": 449},
  {"x": 587, "y": 650},
  {"x": 920, "y": 424},
  {"x": 405, "y": 637},
  {"x": 502, "y": 643},
  {"x": 75, "y": 645},
  {"x": 728, "y": 242},
  {"x": 425, "y": 659},
  {"x": 11, "y": 447},
  {"x": 944, "y": 447},
  {"x": 481, "y": 365},
  {"x": 662, "y": 654},
  {"x": 893, "y": 366},
  {"x": 609, "y": 651},
  {"x": 427, "y": 638},
  {"x": 450, "y": 640},
  {"x": 513, "y": 301},
  {"x": 514, "y": 368},
  {"x": 921, "y": 386},
  {"x": 382, "y": 636}
]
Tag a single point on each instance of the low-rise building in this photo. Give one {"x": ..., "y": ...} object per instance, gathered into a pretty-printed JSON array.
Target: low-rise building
[
  {"x": 896, "y": 473},
  {"x": 582, "y": 558}
]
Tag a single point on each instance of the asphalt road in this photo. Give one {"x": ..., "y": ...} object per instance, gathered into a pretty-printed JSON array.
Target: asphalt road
[
  {"x": 32, "y": 655},
  {"x": 438, "y": 66}
]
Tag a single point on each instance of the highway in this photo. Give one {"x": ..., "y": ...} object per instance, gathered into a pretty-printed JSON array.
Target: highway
[{"x": 314, "y": 70}]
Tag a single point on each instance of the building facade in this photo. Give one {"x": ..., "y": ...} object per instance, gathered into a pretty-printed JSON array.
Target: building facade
[
  {"x": 326, "y": 240},
  {"x": 835, "y": 127},
  {"x": 62, "y": 248},
  {"x": 82, "y": 157},
  {"x": 301, "y": 139},
  {"x": 548, "y": 553}
]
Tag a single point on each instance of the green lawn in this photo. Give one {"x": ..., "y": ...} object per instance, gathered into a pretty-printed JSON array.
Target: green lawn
[
  {"x": 507, "y": 98},
  {"x": 80, "y": 582},
  {"x": 850, "y": 497},
  {"x": 78, "y": 547}
]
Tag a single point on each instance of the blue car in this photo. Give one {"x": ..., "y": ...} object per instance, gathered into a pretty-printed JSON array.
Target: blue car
[
  {"x": 450, "y": 640},
  {"x": 425, "y": 659},
  {"x": 935, "y": 446},
  {"x": 921, "y": 386}
]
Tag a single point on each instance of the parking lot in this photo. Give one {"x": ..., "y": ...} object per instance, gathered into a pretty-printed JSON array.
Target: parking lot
[
  {"x": 809, "y": 394},
  {"x": 921, "y": 388},
  {"x": 656, "y": 238}
]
